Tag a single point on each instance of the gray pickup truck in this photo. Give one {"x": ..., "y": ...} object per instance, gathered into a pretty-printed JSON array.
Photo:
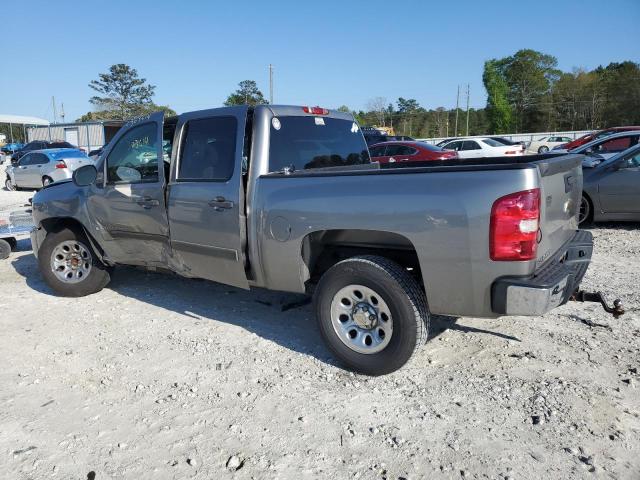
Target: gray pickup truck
[{"x": 286, "y": 198}]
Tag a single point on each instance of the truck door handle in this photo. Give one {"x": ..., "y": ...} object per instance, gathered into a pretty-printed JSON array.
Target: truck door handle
[
  {"x": 146, "y": 201},
  {"x": 220, "y": 203}
]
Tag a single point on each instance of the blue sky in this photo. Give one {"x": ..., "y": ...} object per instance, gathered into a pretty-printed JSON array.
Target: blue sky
[{"x": 326, "y": 53}]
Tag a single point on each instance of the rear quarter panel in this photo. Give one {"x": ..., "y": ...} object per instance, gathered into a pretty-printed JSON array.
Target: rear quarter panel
[{"x": 445, "y": 215}]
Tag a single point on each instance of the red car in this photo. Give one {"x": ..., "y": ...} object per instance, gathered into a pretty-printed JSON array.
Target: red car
[
  {"x": 593, "y": 136},
  {"x": 392, "y": 152}
]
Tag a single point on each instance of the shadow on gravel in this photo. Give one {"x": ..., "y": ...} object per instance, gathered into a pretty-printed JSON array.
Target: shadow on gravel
[
  {"x": 442, "y": 323},
  {"x": 629, "y": 226},
  {"x": 284, "y": 318}
]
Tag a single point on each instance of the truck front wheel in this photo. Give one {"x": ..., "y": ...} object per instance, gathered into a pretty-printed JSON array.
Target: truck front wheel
[
  {"x": 69, "y": 265},
  {"x": 371, "y": 313}
]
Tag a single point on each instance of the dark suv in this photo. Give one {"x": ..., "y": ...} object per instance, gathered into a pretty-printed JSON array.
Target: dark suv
[{"x": 38, "y": 145}]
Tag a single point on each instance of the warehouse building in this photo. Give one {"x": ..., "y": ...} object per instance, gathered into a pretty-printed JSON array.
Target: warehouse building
[{"x": 86, "y": 135}]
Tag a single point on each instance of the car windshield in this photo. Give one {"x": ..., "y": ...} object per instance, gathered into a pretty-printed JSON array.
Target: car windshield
[
  {"x": 67, "y": 154},
  {"x": 302, "y": 143},
  {"x": 492, "y": 143}
]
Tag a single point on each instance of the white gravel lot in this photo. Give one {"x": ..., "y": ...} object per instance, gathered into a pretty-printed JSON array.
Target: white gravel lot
[{"x": 162, "y": 377}]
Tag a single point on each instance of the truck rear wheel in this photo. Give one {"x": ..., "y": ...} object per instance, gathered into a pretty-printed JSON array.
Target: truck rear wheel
[
  {"x": 69, "y": 265},
  {"x": 371, "y": 314}
]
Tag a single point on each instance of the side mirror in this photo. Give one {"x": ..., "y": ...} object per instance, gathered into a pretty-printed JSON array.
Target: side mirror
[{"x": 85, "y": 175}]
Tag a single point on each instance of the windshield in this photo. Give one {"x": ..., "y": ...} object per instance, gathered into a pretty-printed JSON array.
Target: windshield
[
  {"x": 67, "y": 154},
  {"x": 302, "y": 143}
]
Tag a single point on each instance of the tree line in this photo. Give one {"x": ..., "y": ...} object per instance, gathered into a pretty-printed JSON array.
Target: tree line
[{"x": 526, "y": 92}]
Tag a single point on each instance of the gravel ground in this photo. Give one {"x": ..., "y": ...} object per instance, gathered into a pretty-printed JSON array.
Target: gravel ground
[{"x": 162, "y": 377}]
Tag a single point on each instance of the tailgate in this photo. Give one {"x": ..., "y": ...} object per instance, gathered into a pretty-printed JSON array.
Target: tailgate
[{"x": 561, "y": 190}]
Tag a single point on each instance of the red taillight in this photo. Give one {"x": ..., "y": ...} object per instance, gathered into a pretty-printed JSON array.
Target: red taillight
[
  {"x": 61, "y": 164},
  {"x": 315, "y": 110},
  {"x": 515, "y": 220}
]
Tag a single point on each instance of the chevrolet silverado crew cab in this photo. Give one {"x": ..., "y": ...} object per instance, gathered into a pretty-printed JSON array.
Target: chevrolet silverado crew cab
[{"x": 286, "y": 198}]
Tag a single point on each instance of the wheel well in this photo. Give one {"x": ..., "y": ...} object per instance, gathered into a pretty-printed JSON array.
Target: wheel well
[
  {"x": 592, "y": 211},
  {"x": 58, "y": 223},
  {"x": 323, "y": 249}
]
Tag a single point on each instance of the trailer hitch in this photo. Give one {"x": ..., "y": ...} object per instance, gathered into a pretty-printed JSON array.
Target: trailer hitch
[{"x": 582, "y": 296}]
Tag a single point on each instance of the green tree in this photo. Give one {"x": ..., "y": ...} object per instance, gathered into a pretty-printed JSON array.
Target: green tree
[
  {"x": 139, "y": 111},
  {"x": 530, "y": 76},
  {"x": 408, "y": 105},
  {"x": 344, "y": 108},
  {"x": 498, "y": 109},
  {"x": 123, "y": 94},
  {"x": 247, "y": 94}
]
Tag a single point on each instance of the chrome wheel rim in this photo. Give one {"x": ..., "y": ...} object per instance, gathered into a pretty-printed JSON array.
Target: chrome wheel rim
[
  {"x": 46, "y": 181},
  {"x": 71, "y": 261},
  {"x": 543, "y": 149},
  {"x": 8, "y": 184},
  {"x": 361, "y": 319},
  {"x": 585, "y": 209}
]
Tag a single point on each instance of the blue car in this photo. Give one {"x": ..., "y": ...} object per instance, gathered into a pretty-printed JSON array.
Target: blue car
[{"x": 9, "y": 148}]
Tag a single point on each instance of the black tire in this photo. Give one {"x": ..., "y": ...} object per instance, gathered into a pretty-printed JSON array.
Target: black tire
[
  {"x": 586, "y": 211},
  {"x": 13, "y": 243},
  {"x": 401, "y": 293},
  {"x": 543, "y": 149},
  {"x": 8, "y": 185},
  {"x": 46, "y": 181},
  {"x": 5, "y": 249},
  {"x": 97, "y": 278}
]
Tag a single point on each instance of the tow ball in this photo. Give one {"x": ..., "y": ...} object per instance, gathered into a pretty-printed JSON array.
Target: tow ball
[{"x": 582, "y": 296}]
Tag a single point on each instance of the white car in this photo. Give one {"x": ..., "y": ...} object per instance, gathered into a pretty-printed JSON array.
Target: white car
[
  {"x": 482, "y": 147},
  {"x": 544, "y": 144}
]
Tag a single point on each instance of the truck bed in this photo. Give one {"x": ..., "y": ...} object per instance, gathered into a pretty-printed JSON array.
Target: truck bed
[{"x": 441, "y": 208}]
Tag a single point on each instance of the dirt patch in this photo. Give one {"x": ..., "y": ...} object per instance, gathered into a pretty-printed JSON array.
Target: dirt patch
[{"x": 163, "y": 377}]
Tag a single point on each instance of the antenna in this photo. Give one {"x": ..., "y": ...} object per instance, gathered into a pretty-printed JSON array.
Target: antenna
[{"x": 271, "y": 84}]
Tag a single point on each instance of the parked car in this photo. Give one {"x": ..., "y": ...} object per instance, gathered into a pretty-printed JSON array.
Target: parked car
[
  {"x": 10, "y": 148},
  {"x": 286, "y": 198},
  {"x": 611, "y": 189},
  {"x": 445, "y": 141},
  {"x": 39, "y": 145},
  {"x": 39, "y": 168},
  {"x": 482, "y": 147},
  {"x": 597, "y": 135},
  {"x": 392, "y": 152},
  {"x": 544, "y": 144},
  {"x": 605, "y": 147}
]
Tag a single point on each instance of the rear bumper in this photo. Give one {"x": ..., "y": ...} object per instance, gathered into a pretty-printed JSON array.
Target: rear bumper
[{"x": 548, "y": 287}]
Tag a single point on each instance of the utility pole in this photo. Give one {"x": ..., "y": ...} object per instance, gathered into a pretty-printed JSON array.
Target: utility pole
[
  {"x": 62, "y": 111},
  {"x": 53, "y": 102},
  {"x": 467, "y": 134},
  {"x": 455, "y": 133},
  {"x": 271, "y": 84}
]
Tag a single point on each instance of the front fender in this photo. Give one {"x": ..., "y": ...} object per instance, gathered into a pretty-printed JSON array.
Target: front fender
[{"x": 62, "y": 203}]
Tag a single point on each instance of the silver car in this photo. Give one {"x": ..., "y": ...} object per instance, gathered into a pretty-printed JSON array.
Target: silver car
[
  {"x": 39, "y": 168},
  {"x": 611, "y": 189}
]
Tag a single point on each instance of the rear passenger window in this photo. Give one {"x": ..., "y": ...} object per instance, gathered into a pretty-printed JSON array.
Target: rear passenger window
[
  {"x": 470, "y": 145},
  {"x": 376, "y": 151},
  {"x": 208, "y": 150}
]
